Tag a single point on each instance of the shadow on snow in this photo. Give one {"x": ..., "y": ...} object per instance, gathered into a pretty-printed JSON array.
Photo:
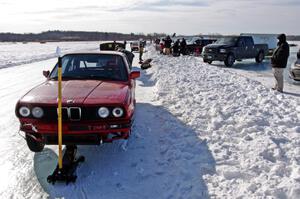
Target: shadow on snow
[{"x": 164, "y": 159}]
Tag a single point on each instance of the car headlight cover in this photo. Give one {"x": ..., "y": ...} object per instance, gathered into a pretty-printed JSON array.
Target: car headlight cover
[
  {"x": 24, "y": 111},
  {"x": 103, "y": 112},
  {"x": 37, "y": 112},
  {"x": 118, "y": 112},
  {"x": 222, "y": 50}
]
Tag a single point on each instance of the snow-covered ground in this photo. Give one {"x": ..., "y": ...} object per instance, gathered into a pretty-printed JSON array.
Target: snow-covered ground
[
  {"x": 12, "y": 54},
  {"x": 201, "y": 131},
  {"x": 251, "y": 131}
]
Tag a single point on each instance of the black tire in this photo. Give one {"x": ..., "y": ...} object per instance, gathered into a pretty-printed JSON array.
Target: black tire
[
  {"x": 260, "y": 57},
  {"x": 207, "y": 61},
  {"x": 34, "y": 145},
  {"x": 230, "y": 59}
]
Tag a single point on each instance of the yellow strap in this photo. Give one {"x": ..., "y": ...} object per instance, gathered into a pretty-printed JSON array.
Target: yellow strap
[{"x": 59, "y": 119}]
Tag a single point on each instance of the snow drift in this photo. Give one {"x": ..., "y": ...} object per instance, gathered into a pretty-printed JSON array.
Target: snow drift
[
  {"x": 201, "y": 131},
  {"x": 252, "y": 132}
]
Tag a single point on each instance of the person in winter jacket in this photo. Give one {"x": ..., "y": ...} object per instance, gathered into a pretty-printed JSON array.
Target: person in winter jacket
[
  {"x": 141, "y": 50},
  {"x": 183, "y": 47},
  {"x": 128, "y": 54},
  {"x": 176, "y": 48},
  {"x": 168, "y": 42},
  {"x": 279, "y": 61}
]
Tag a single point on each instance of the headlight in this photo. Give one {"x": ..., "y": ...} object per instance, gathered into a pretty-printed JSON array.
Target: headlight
[
  {"x": 103, "y": 112},
  {"x": 222, "y": 50},
  {"x": 24, "y": 111},
  {"x": 37, "y": 112},
  {"x": 118, "y": 112}
]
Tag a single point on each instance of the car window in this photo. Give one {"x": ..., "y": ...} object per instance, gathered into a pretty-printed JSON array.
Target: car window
[
  {"x": 227, "y": 40},
  {"x": 249, "y": 41},
  {"x": 241, "y": 42},
  {"x": 93, "y": 66}
]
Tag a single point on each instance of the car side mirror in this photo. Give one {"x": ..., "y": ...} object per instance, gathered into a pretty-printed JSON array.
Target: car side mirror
[
  {"x": 46, "y": 73},
  {"x": 135, "y": 74}
]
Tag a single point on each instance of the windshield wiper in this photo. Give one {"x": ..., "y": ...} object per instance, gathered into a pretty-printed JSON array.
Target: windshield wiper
[{"x": 87, "y": 77}]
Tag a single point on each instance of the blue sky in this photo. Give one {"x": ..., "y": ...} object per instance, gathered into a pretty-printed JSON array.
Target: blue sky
[{"x": 181, "y": 16}]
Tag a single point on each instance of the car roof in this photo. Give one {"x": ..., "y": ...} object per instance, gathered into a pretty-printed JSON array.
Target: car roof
[{"x": 104, "y": 52}]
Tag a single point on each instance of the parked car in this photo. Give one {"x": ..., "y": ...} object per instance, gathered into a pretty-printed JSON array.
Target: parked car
[
  {"x": 196, "y": 44},
  {"x": 270, "y": 39},
  {"x": 295, "y": 69},
  {"x": 98, "y": 101},
  {"x": 233, "y": 48},
  {"x": 134, "y": 46},
  {"x": 111, "y": 46}
]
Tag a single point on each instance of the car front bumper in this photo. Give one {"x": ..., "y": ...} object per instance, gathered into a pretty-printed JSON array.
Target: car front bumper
[
  {"x": 214, "y": 57},
  {"x": 79, "y": 133},
  {"x": 295, "y": 74}
]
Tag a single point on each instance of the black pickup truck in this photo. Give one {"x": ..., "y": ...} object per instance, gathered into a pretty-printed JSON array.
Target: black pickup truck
[{"x": 229, "y": 49}]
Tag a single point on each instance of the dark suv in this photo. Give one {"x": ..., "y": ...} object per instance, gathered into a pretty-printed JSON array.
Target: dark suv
[{"x": 229, "y": 49}]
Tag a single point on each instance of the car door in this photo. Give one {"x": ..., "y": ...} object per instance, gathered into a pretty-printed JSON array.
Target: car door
[
  {"x": 240, "y": 49},
  {"x": 250, "y": 49}
]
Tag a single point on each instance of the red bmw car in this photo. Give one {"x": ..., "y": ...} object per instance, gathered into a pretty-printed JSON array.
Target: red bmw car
[{"x": 98, "y": 102}]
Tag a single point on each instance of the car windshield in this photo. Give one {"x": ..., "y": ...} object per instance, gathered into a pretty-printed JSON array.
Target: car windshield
[
  {"x": 193, "y": 40},
  {"x": 92, "y": 66},
  {"x": 227, "y": 40}
]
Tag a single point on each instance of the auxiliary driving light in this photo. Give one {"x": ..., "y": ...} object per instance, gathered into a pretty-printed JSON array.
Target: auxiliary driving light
[
  {"x": 37, "y": 112},
  {"x": 118, "y": 112},
  {"x": 103, "y": 112},
  {"x": 24, "y": 111}
]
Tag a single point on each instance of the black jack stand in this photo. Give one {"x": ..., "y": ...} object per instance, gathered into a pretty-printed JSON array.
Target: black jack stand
[{"x": 70, "y": 164}]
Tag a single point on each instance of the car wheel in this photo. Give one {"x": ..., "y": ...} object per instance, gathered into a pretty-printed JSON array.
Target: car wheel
[
  {"x": 207, "y": 61},
  {"x": 260, "y": 57},
  {"x": 230, "y": 59},
  {"x": 34, "y": 145}
]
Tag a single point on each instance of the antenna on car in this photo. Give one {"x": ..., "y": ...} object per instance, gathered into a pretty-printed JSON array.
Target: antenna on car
[{"x": 64, "y": 171}]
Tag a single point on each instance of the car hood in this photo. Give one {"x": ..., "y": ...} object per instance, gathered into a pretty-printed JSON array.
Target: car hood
[
  {"x": 78, "y": 92},
  {"x": 219, "y": 46}
]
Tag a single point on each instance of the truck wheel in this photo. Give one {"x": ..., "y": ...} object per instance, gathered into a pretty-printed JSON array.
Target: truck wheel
[
  {"x": 260, "y": 57},
  {"x": 230, "y": 59},
  {"x": 207, "y": 61},
  {"x": 34, "y": 145}
]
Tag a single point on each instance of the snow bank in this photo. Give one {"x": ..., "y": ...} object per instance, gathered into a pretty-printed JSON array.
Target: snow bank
[
  {"x": 252, "y": 132},
  {"x": 12, "y": 54},
  {"x": 200, "y": 131}
]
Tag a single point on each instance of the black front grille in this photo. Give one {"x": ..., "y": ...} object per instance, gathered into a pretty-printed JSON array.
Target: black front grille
[
  {"x": 74, "y": 113},
  {"x": 211, "y": 50},
  {"x": 64, "y": 114}
]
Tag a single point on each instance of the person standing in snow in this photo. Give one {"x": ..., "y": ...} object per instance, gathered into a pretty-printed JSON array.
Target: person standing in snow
[
  {"x": 279, "y": 61},
  {"x": 183, "y": 47},
  {"x": 141, "y": 50},
  {"x": 176, "y": 48},
  {"x": 168, "y": 42}
]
